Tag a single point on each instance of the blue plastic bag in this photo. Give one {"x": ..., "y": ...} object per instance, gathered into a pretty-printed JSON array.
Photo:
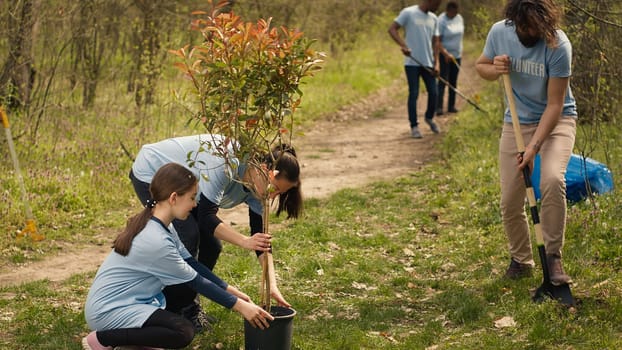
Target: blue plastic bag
[{"x": 581, "y": 172}]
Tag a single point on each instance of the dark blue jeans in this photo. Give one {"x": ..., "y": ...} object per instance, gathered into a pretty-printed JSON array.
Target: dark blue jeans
[
  {"x": 412, "y": 75},
  {"x": 449, "y": 72}
]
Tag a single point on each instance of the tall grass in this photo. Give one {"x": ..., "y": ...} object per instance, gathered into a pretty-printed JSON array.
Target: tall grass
[{"x": 349, "y": 75}]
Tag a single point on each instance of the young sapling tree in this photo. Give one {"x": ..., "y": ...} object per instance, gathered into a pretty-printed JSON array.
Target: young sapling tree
[{"x": 245, "y": 86}]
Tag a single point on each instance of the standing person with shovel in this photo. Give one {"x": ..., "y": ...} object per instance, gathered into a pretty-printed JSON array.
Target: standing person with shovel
[
  {"x": 421, "y": 43},
  {"x": 451, "y": 29},
  {"x": 529, "y": 46}
]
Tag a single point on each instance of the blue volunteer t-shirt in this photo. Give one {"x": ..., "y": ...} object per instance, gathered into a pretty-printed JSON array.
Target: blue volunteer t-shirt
[
  {"x": 451, "y": 31},
  {"x": 419, "y": 28},
  {"x": 530, "y": 71},
  {"x": 217, "y": 181},
  {"x": 128, "y": 289}
]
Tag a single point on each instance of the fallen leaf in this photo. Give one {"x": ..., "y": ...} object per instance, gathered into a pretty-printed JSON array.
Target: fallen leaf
[
  {"x": 505, "y": 322},
  {"x": 333, "y": 246},
  {"x": 363, "y": 286},
  {"x": 385, "y": 335},
  {"x": 388, "y": 336},
  {"x": 408, "y": 252},
  {"x": 600, "y": 284},
  {"x": 448, "y": 266}
]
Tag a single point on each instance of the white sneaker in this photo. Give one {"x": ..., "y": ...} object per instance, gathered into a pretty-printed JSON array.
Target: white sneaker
[
  {"x": 433, "y": 126},
  {"x": 414, "y": 132}
]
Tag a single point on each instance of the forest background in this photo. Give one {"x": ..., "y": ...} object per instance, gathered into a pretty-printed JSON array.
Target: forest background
[
  {"x": 71, "y": 68},
  {"x": 85, "y": 83}
]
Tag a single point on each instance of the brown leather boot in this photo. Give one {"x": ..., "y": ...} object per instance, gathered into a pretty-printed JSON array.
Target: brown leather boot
[
  {"x": 556, "y": 271},
  {"x": 517, "y": 270}
]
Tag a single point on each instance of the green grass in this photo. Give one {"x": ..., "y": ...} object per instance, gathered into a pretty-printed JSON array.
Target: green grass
[
  {"x": 352, "y": 74},
  {"x": 413, "y": 263},
  {"x": 407, "y": 264}
]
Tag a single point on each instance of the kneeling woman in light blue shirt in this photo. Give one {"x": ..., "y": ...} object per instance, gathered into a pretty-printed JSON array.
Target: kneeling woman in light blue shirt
[{"x": 125, "y": 305}]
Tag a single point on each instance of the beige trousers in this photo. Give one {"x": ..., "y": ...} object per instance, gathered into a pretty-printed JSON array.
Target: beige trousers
[{"x": 554, "y": 155}]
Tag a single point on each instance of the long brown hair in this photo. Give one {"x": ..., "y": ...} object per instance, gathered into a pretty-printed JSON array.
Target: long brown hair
[
  {"x": 171, "y": 177},
  {"x": 283, "y": 158},
  {"x": 542, "y": 15}
]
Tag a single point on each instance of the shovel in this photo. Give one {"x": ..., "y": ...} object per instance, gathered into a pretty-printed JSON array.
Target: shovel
[
  {"x": 429, "y": 70},
  {"x": 476, "y": 97},
  {"x": 562, "y": 292},
  {"x": 30, "y": 230}
]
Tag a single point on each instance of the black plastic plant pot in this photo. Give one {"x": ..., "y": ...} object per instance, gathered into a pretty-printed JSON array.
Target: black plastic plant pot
[{"x": 276, "y": 337}]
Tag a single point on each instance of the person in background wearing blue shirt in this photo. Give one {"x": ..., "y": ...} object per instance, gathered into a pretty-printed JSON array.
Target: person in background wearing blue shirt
[
  {"x": 529, "y": 46},
  {"x": 219, "y": 187},
  {"x": 422, "y": 42},
  {"x": 125, "y": 304},
  {"x": 451, "y": 29}
]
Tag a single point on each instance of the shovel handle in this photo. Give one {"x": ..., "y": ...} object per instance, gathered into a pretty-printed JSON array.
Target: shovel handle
[
  {"x": 453, "y": 88},
  {"x": 455, "y": 61},
  {"x": 520, "y": 145}
]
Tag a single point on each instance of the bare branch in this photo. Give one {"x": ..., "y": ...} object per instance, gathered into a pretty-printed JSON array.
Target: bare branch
[{"x": 601, "y": 20}]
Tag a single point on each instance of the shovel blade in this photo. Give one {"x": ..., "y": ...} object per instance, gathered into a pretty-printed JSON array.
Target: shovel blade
[{"x": 560, "y": 293}]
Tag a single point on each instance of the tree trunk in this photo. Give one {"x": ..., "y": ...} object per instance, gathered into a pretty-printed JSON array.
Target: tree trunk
[
  {"x": 88, "y": 49},
  {"x": 18, "y": 73},
  {"x": 148, "y": 66},
  {"x": 265, "y": 262}
]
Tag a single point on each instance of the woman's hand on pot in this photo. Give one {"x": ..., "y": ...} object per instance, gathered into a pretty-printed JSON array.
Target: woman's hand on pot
[
  {"x": 276, "y": 295},
  {"x": 259, "y": 242},
  {"x": 254, "y": 314}
]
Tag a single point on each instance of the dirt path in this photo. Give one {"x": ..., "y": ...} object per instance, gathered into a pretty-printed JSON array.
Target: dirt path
[{"x": 365, "y": 142}]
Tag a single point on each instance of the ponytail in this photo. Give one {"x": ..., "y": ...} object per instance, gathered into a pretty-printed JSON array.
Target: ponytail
[
  {"x": 291, "y": 202},
  {"x": 283, "y": 159},
  {"x": 135, "y": 225},
  {"x": 171, "y": 177}
]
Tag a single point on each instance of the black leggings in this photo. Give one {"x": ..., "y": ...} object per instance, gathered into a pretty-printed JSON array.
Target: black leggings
[{"x": 163, "y": 329}]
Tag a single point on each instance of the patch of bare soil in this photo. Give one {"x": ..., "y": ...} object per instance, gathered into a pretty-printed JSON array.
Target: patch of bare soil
[{"x": 364, "y": 142}]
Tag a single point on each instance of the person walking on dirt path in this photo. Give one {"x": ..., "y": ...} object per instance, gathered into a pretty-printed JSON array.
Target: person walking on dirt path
[
  {"x": 203, "y": 230},
  {"x": 451, "y": 29},
  {"x": 422, "y": 42},
  {"x": 124, "y": 306},
  {"x": 529, "y": 46}
]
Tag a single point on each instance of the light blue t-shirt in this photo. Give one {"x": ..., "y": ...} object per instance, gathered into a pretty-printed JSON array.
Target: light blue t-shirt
[
  {"x": 216, "y": 180},
  {"x": 530, "y": 71},
  {"x": 128, "y": 289},
  {"x": 419, "y": 28},
  {"x": 451, "y": 31}
]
